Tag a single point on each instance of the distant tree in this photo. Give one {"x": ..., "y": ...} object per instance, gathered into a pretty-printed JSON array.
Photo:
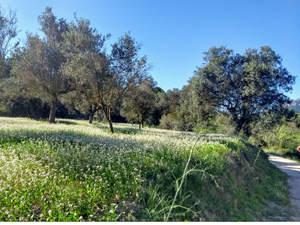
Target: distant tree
[
  {"x": 197, "y": 110},
  {"x": 138, "y": 104},
  {"x": 169, "y": 101},
  {"x": 38, "y": 65},
  {"x": 244, "y": 86},
  {"x": 157, "y": 111},
  {"x": 26, "y": 107},
  {"x": 8, "y": 31},
  {"x": 158, "y": 90},
  {"x": 188, "y": 110}
]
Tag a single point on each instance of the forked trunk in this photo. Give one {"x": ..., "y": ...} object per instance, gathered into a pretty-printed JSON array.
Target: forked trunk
[
  {"x": 92, "y": 112},
  {"x": 53, "y": 105}
]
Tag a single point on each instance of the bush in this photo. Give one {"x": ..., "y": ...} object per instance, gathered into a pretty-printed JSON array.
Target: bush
[{"x": 170, "y": 122}]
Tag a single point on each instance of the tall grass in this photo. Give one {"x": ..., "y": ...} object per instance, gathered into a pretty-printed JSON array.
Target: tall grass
[{"x": 75, "y": 171}]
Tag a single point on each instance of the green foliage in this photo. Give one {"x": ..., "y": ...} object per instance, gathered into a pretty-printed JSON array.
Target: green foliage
[
  {"x": 23, "y": 107},
  {"x": 170, "y": 122},
  {"x": 37, "y": 66},
  {"x": 74, "y": 171},
  {"x": 244, "y": 86},
  {"x": 137, "y": 104},
  {"x": 283, "y": 138}
]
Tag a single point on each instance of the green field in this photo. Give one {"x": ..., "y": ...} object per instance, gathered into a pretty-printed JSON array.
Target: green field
[{"x": 75, "y": 171}]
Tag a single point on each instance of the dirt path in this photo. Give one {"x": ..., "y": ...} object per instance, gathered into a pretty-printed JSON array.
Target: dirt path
[{"x": 292, "y": 169}]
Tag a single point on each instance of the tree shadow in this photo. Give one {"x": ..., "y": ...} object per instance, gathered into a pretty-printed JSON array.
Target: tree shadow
[{"x": 68, "y": 136}]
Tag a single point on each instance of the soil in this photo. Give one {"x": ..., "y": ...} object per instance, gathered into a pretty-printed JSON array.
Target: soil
[{"x": 292, "y": 169}]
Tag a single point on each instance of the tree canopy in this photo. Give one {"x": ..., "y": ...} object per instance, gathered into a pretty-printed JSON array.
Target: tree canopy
[
  {"x": 68, "y": 66},
  {"x": 39, "y": 63},
  {"x": 244, "y": 86}
]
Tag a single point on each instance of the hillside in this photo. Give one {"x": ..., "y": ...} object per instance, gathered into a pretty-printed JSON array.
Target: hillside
[
  {"x": 75, "y": 171},
  {"x": 295, "y": 105}
]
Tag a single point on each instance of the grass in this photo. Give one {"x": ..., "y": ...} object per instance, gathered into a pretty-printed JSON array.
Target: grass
[{"x": 76, "y": 171}]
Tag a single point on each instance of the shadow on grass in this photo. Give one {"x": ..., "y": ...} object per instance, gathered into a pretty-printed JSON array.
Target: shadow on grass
[
  {"x": 66, "y": 122},
  {"x": 67, "y": 136}
]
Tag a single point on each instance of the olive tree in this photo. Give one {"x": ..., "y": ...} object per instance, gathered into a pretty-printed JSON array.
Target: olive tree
[
  {"x": 38, "y": 65},
  {"x": 87, "y": 64},
  {"x": 101, "y": 79}
]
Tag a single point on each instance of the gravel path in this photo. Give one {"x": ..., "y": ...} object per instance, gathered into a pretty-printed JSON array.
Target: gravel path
[{"x": 292, "y": 169}]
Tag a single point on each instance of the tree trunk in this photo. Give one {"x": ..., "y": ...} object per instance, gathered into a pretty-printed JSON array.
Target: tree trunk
[
  {"x": 53, "y": 105},
  {"x": 111, "y": 126},
  {"x": 247, "y": 130},
  {"x": 107, "y": 114},
  {"x": 140, "y": 125},
  {"x": 91, "y": 117},
  {"x": 92, "y": 112},
  {"x": 243, "y": 125},
  {"x": 238, "y": 125}
]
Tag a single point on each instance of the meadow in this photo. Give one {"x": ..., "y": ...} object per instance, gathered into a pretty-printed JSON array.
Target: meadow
[{"x": 76, "y": 171}]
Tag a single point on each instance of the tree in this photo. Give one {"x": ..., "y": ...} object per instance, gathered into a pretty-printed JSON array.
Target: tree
[
  {"x": 244, "y": 86},
  {"x": 101, "y": 79},
  {"x": 126, "y": 70},
  {"x": 138, "y": 104},
  {"x": 189, "y": 107},
  {"x": 8, "y": 31},
  {"x": 196, "y": 109},
  {"x": 87, "y": 64},
  {"x": 38, "y": 64},
  {"x": 168, "y": 103},
  {"x": 157, "y": 111}
]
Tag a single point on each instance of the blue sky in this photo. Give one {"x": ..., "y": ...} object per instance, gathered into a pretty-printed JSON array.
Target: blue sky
[{"x": 175, "y": 33}]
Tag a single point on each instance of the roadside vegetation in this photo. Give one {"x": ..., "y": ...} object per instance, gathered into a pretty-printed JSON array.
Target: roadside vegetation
[
  {"x": 282, "y": 139},
  {"x": 76, "y": 171}
]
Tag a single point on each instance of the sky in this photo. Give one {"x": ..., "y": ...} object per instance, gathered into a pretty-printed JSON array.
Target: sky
[{"x": 175, "y": 33}]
